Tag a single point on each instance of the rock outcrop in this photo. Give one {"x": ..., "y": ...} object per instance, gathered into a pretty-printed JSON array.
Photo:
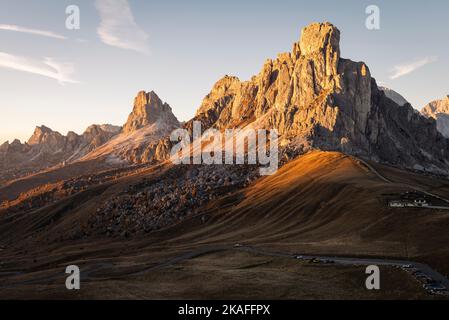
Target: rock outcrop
[
  {"x": 150, "y": 121},
  {"x": 439, "y": 110},
  {"x": 312, "y": 97},
  {"x": 333, "y": 103},
  {"x": 149, "y": 109}
]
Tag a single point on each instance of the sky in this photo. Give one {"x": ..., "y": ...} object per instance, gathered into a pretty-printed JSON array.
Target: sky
[{"x": 68, "y": 79}]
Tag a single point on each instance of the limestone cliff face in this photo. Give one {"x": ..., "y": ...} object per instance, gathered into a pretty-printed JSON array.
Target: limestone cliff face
[
  {"x": 436, "y": 107},
  {"x": 150, "y": 120},
  {"x": 310, "y": 92},
  {"x": 334, "y": 103},
  {"x": 149, "y": 109},
  {"x": 46, "y": 148},
  {"x": 439, "y": 110},
  {"x": 46, "y": 136}
]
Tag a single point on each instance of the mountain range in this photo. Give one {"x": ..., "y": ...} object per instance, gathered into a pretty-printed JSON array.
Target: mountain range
[{"x": 111, "y": 201}]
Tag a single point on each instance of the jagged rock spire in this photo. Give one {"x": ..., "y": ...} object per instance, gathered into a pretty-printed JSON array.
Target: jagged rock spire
[{"x": 148, "y": 109}]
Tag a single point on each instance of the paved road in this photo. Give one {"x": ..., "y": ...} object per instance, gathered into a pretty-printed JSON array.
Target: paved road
[
  {"x": 435, "y": 275},
  {"x": 211, "y": 249},
  {"x": 99, "y": 268},
  {"x": 361, "y": 261},
  {"x": 385, "y": 179},
  {"x": 372, "y": 169},
  {"x": 337, "y": 260}
]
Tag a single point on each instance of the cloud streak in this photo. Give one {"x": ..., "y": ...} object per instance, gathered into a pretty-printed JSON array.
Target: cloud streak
[
  {"x": 48, "y": 67},
  {"x": 118, "y": 27},
  {"x": 404, "y": 69},
  {"x": 44, "y": 33}
]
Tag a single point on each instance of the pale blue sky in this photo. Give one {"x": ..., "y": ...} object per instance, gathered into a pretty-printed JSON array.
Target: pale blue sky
[{"x": 191, "y": 45}]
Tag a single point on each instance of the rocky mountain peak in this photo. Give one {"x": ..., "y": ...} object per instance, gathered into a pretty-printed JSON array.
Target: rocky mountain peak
[
  {"x": 439, "y": 110},
  {"x": 149, "y": 109},
  {"x": 16, "y": 142},
  {"x": 14, "y": 146},
  {"x": 313, "y": 95},
  {"x": 319, "y": 38},
  {"x": 436, "y": 107},
  {"x": 4, "y": 145},
  {"x": 41, "y": 135}
]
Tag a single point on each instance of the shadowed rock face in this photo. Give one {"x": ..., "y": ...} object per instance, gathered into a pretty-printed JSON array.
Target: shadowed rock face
[
  {"x": 332, "y": 102},
  {"x": 439, "y": 110}
]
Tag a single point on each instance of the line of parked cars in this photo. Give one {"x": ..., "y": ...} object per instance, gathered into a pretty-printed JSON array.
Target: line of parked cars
[
  {"x": 314, "y": 260},
  {"x": 429, "y": 284}
]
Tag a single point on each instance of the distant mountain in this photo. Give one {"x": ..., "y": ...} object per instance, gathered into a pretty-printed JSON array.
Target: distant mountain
[
  {"x": 46, "y": 148},
  {"x": 148, "y": 110},
  {"x": 150, "y": 120},
  {"x": 393, "y": 95},
  {"x": 439, "y": 110}
]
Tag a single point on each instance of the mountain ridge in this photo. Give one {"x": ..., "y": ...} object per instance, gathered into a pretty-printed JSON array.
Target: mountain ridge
[
  {"x": 311, "y": 95},
  {"x": 314, "y": 95}
]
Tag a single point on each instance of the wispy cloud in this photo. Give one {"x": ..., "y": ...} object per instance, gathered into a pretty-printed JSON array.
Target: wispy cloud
[
  {"x": 44, "y": 33},
  {"x": 118, "y": 27},
  {"x": 48, "y": 67},
  {"x": 404, "y": 69}
]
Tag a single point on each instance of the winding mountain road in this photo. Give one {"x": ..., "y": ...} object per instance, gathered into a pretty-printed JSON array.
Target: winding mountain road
[
  {"x": 105, "y": 268},
  {"x": 94, "y": 271},
  {"x": 385, "y": 179}
]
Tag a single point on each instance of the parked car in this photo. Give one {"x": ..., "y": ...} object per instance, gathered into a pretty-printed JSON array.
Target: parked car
[
  {"x": 424, "y": 278},
  {"x": 435, "y": 287},
  {"x": 408, "y": 268},
  {"x": 315, "y": 260}
]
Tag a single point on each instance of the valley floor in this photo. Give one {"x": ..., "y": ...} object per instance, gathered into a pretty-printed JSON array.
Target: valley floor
[
  {"x": 320, "y": 204},
  {"x": 235, "y": 275}
]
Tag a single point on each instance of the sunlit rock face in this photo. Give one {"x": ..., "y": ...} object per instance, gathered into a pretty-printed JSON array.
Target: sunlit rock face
[
  {"x": 439, "y": 110},
  {"x": 149, "y": 109},
  {"x": 151, "y": 120},
  {"x": 333, "y": 103},
  {"x": 311, "y": 95}
]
